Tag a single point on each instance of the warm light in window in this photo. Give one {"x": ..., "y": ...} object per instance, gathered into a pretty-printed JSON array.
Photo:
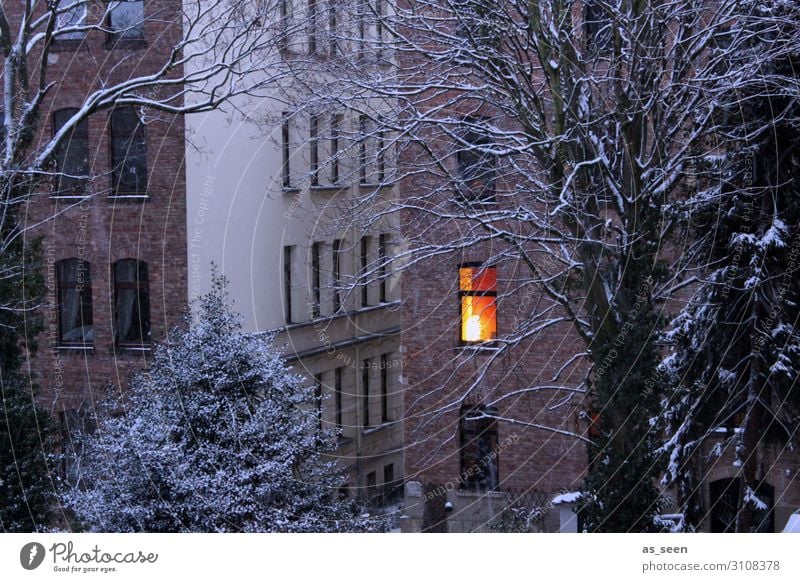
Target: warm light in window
[{"x": 478, "y": 292}]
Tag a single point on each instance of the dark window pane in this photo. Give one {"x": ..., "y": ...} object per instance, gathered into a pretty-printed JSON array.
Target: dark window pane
[
  {"x": 74, "y": 302},
  {"x": 126, "y": 19},
  {"x": 131, "y": 302},
  {"x": 71, "y": 16},
  {"x": 478, "y": 436},
  {"x": 128, "y": 153},
  {"x": 72, "y": 156},
  {"x": 476, "y": 168}
]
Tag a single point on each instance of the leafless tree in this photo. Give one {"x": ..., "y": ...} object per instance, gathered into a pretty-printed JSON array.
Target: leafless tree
[{"x": 562, "y": 140}]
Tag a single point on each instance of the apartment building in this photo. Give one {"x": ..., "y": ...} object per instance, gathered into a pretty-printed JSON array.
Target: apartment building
[
  {"x": 112, "y": 219},
  {"x": 267, "y": 184}
]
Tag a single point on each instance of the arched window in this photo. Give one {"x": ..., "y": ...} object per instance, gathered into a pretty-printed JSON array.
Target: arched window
[
  {"x": 72, "y": 156},
  {"x": 74, "y": 302},
  {"x": 131, "y": 303},
  {"x": 128, "y": 153}
]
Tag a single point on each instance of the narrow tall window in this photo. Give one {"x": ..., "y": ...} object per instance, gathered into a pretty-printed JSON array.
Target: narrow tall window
[
  {"x": 287, "y": 284},
  {"x": 337, "y": 388},
  {"x": 313, "y": 144},
  {"x": 315, "y": 280},
  {"x": 361, "y": 17},
  {"x": 384, "y": 388},
  {"x": 476, "y": 166},
  {"x": 336, "y": 123},
  {"x": 596, "y": 24},
  {"x": 333, "y": 28},
  {"x": 337, "y": 274},
  {"x": 365, "y": 366},
  {"x": 389, "y": 487},
  {"x": 131, "y": 302},
  {"x": 382, "y": 267},
  {"x": 72, "y": 156},
  {"x": 128, "y": 153},
  {"x": 379, "y": 22},
  {"x": 74, "y": 302},
  {"x": 126, "y": 20},
  {"x": 364, "y": 277},
  {"x": 286, "y": 152},
  {"x": 362, "y": 148},
  {"x": 479, "y": 455},
  {"x": 318, "y": 400},
  {"x": 381, "y": 154},
  {"x": 478, "y": 296},
  {"x": 312, "y": 27},
  {"x": 284, "y": 12}
]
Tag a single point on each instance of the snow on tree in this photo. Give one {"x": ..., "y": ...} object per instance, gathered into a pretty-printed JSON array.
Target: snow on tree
[
  {"x": 217, "y": 436},
  {"x": 560, "y": 137},
  {"x": 199, "y": 55},
  {"x": 736, "y": 358}
]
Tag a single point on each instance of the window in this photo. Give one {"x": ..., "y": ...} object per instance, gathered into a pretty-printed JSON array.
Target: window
[
  {"x": 312, "y": 27},
  {"x": 362, "y": 149},
  {"x": 284, "y": 9},
  {"x": 381, "y": 157},
  {"x": 478, "y": 296},
  {"x": 336, "y": 124},
  {"x": 333, "y": 25},
  {"x": 128, "y": 153},
  {"x": 315, "y": 280},
  {"x": 131, "y": 302},
  {"x": 372, "y": 485},
  {"x": 337, "y": 274},
  {"x": 72, "y": 156},
  {"x": 597, "y": 24},
  {"x": 478, "y": 441},
  {"x": 287, "y": 284},
  {"x": 318, "y": 400},
  {"x": 74, "y": 302},
  {"x": 364, "y": 279},
  {"x": 286, "y": 152},
  {"x": 70, "y": 15},
  {"x": 476, "y": 166},
  {"x": 337, "y": 396},
  {"x": 385, "y": 388},
  {"x": 313, "y": 144},
  {"x": 126, "y": 20},
  {"x": 382, "y": 266},
  {"x": 365, "y": 391},
  {"x": 390, "y": 489}
]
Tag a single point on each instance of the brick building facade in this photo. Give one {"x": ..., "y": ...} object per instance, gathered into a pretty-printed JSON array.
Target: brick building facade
[{"x": 114, "y": 247}]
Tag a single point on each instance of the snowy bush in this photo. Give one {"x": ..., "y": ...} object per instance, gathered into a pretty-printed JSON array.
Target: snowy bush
[{"x": 218, "y": 435}]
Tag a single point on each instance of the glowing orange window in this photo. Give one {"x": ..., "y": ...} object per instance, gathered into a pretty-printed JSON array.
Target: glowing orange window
[{"x": 478, "y": 295}]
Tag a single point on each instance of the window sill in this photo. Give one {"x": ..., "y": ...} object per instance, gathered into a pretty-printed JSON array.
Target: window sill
[
  {"x": 134, "y": 197},
  {"x": 290, "y": 189},
  {"x": 69, "y": 196},
  {"x": 489, "y": 346},
  {"x": 74, "y": 348},
  {"x": 133, "y": 348}
]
